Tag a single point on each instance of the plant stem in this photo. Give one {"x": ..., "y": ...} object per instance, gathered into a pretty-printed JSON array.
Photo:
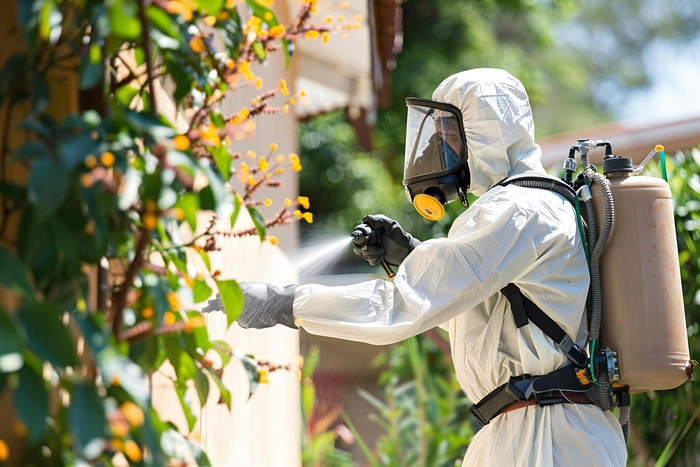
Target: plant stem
[
  {"x": 145, "y": 38},
  {"x": 120, "y": 299}
]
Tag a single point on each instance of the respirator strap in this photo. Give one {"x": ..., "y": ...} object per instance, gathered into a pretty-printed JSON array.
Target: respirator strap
[{"x": 525, "y": 311}]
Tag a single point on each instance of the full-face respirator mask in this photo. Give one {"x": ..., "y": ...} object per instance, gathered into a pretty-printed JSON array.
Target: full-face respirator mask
[{"x": 435, "y": 163}]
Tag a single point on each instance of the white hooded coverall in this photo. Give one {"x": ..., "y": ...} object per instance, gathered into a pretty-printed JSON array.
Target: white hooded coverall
[{"x": 511, "y": 234}]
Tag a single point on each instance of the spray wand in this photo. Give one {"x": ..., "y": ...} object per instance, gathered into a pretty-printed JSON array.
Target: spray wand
[{"x": 364, "y": 235}]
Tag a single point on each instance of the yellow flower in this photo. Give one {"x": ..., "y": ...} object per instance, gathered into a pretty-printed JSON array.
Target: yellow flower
[
  {"x": 150, "y": 221},
  {"x": 90, "y": 161},
  {"x": 249, "y": 125},
  {"x": 169, "y": 318},
  {"x": 258, "y": 83},
  {"x": 107, "y": 159},
  {"x": 341, "y": 18},
  {"x": 325, "y": 36},
  {"x": 209, "y": 20},
  {"x": 227, "y": 141},
  {"x": 4, "y": 451},
  {"x": 19, "y": 428},
  {"x": 86, "y": 180},
  {"x": 251, "y": 181},
  {"x": 285, "y": 108},
  {"x": 181, "y": 142},
  {"x": 210, "y": 135},
  {"x": 188, "y": 280},
  {"x": 244, "y": 68},
  {"x": 119, "y": 428},
  {"x": 116, "y": 445},
  {"x": 272, "y": 239},
  {"x": 283, "y": 87},
  {"x": 298, "y": 214},
  {"x": 238, "y": 135},
  {"x": 296, "y": 167},
  {"x": 132, "y": 450},
  {"x": 194, "y": 322},
  {"x": 358, "y": 18},
  {"x": 173, "y": 301},
  {"x": 268, "y": 202},
  {"x": 273, "y": 147},
  {"x": 279, "y": 171},
  {"x": 268, "y": 16},
  {"x": 197, "y": 44},
  {"x": 147, "y": 312},
  {"x": 133, "y": 414},
  {"x": 312, "y": 34},
  {"x": 182, "y": 8},
  {"x": 277, "y": 31},
  {"x": 231, "y": 64},
  {"x": 262, "y": 164},
  {"x": 287, "y": 202},
  {"x": 328, "y": 19},
  {"x": 292, "y": 100},
  {"x": 308, "y": 217},
  {"x": 262, "y": 376},
  {"x": 279, "y": 158},
  {"x": 150, "y": 206},
  {"x": 293, "y": 158},
  {"x": 89, "y": 227},
  {"x": 303, "y": 201}
]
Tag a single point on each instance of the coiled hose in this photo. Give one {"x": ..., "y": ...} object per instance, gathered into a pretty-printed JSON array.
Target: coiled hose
[
  {"x": 596, "y": 285},
  {"x": 547, "y": 185}
]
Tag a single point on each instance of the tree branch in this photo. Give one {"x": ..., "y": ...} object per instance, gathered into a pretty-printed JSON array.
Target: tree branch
[
  {"x": 146, "y": 39},
  {"x": 120, "y": 299}
]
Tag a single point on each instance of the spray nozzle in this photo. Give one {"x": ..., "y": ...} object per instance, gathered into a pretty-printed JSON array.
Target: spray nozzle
[{"x": 363, "y": 235}]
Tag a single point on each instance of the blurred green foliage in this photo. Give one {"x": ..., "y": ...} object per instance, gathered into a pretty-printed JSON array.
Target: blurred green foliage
[{"x": 108, "y": 190}]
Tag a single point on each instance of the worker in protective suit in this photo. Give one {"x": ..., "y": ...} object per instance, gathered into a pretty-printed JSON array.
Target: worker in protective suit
[{"x": 475, "y": 131}]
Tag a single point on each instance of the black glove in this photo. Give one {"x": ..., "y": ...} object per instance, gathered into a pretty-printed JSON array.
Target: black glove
[
  {"x": 393, "y": 245},
  {"x": 264, "y": 305}
]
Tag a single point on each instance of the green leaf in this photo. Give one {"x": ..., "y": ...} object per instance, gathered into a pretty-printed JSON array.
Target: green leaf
[
  {"x": 33, "y": 149},
  {"x": 47, "y": 336},
  {"x": 91, "y": 67},
  {"x": 201, "y": 384},
  {"x": 47, "y": 187},
  {"x": 50, "y": 20},
  {"x": 223, "y": 160},
  {"x": 231, "y": 299},
  {"x": 211, "y": 7},
  {"x": 181, "y": 390},
  {"x": 251, "y": 368},
  {"x": 131, "y": 377},
  {"x": 259, "y": 50},
  {"x": 258, "y": 221},
  {"x": 13, "y": 274},
  {"x": 201, "y": 291},
  {"x": 224, "y": 393},
  {"x": 40, "y": 93},
  {"x": 74, "y": 151},
  {"x": 32, "y": 403},
  {"x": 189, "y": 203},
  {"x": 205, "y": 257},
  {"x": 10, "y": 344},
  {"x": 87, "y": 420},
  {"x": 217, "y": 119},
  {"x": 236, "y": 210},
  {"x": 163, "y": 22},
  {"x": 124, "y": 20},
  {"x": 182, "y": 363},
  {"x": 145, "y": 352},
  {"x": 125, "y": 94}
]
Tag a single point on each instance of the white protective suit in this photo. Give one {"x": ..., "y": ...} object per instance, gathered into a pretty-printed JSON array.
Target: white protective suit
[{"x": 510, "y": 234}]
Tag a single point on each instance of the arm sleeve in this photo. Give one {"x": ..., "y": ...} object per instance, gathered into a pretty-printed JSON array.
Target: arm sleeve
[{"x": 440, "y": 279}]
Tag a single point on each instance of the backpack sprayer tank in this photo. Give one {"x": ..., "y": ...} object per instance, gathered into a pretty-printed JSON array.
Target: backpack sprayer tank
[{"x": 643, "y": 317}]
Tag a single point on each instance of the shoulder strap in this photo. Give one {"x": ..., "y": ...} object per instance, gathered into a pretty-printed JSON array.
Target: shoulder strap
[
  {"x": 524, "y": 310},
  {"x": 543, "y": 181}
]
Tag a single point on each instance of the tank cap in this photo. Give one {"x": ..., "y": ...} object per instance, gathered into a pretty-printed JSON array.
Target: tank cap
[{"x": 617, "y": 164}]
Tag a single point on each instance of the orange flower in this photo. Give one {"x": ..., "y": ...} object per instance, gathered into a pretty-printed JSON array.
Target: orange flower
[
  {"x": 181, "y": 142},
  {"x": 312, "y": 34},
  {"x": 107, "y": 159},
  {"x": 133, "y": 414},
  {"x": 132, "y": 450},
  {"x": 150, "y": 221},
  {"x": 169, "y": 318},
  {"x": 173, "y": 301},
  {"x": 147, "y": 312},
  {"x": 197, "y": 44}
]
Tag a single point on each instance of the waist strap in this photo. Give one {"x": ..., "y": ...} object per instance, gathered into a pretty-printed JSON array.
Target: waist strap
[{"x": 562, "y": 386}]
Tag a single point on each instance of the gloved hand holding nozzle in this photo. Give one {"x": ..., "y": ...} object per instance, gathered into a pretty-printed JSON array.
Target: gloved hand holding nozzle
[{"x": 381, "y": 240}]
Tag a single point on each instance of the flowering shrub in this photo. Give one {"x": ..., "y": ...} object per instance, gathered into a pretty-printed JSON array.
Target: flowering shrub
[{"x": 107, "y": 191}]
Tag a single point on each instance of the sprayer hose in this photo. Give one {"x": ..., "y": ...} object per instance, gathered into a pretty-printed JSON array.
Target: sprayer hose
[{"x": 547, "y": 185}]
